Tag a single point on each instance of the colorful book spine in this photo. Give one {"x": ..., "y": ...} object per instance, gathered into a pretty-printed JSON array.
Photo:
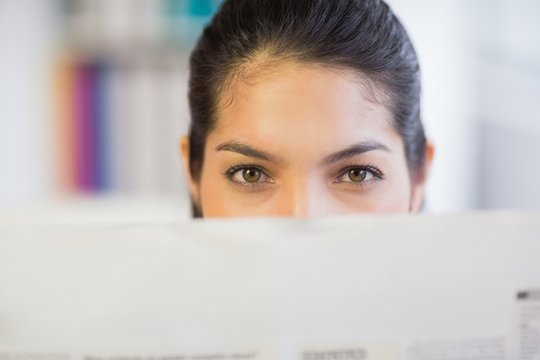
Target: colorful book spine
[
  {"x": 82, "y": 126},
  {"x": 64, "y": 79},
  {"x": 102, "y": 122}
]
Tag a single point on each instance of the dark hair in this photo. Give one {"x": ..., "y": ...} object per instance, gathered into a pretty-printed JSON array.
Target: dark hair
[{"x": 362, "y": 35}]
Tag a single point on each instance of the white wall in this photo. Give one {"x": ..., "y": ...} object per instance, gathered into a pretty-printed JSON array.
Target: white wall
[
  {"x": 440, "y": 32},
  {"x": 508, "y": 80},
  {"x": 481, "y": 65},
  {"x": 25, "y": 45}
]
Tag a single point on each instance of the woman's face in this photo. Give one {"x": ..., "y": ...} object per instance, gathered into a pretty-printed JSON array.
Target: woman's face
[{"x": 303, "y": 141}]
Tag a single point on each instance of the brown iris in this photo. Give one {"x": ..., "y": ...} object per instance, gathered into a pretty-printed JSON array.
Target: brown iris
[
  {"x": 251, "y": 175},
  {"x": 357, "y": 175}
]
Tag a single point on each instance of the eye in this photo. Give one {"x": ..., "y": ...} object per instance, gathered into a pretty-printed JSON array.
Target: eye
[
  {"x": 248, "y": 175},
  {"x": 359, "y": 175}
]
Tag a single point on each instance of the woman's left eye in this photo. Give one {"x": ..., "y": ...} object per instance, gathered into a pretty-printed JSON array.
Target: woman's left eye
[{"x": 358, "y": 175}]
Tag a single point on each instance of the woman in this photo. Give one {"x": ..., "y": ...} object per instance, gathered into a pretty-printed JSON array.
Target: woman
[{"x": 305, "y": 108}]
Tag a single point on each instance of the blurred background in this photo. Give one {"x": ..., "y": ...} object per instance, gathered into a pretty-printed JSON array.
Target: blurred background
[{"x": 93, "y": 100}]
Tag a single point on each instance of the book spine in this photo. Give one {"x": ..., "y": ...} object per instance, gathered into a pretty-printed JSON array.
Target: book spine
[
  {"x": 65, "y": 147},
  {"x": 80, "y": 122},
  {"x": 102, "y": 126}
]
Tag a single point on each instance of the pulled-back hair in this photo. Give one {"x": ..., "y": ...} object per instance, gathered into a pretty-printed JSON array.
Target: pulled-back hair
[{"x": 360, "y": 35}]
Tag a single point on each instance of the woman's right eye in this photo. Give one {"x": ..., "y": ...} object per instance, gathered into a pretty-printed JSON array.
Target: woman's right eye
[{"x": 249, "y": 176}]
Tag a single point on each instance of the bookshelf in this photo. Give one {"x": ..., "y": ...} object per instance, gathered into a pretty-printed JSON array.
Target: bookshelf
[{"x": 120, "y": 93}]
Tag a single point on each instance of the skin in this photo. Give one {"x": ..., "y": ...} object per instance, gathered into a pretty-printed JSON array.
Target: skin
[{"x": 313, "y": 142}]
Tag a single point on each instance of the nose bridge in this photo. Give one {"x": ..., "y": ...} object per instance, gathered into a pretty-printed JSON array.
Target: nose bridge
[
  {"x": 303, "y": 198},
  {"x": 306, "y": 199}
]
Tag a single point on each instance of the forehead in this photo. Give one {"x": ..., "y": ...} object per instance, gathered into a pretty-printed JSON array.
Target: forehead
[{"x": 302, "y": 107}]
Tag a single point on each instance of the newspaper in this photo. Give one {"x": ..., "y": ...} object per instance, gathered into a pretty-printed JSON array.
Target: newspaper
[{"x": 452, "y": 287}]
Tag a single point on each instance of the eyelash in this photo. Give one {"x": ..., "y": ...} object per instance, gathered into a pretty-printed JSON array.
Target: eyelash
[
  {"x": 376, "y": 172},
  {"x": 229, "y": 174},
  {"x": 378, "y": 175}
]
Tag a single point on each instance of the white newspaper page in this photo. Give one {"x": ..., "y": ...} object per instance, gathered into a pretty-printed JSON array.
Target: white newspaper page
[{"x": 365, "y": 287}]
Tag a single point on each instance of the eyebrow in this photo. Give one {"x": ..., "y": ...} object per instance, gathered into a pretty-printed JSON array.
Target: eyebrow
[
  {"x": 356, "y": 149},
  {"x": 353, "y": 150},
  {"x": 245, "y": 150}
]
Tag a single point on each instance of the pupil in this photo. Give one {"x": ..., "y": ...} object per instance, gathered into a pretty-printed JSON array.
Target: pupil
[
  {"x": 357, "y": 175},
  {"x": 252, "y": 175}
]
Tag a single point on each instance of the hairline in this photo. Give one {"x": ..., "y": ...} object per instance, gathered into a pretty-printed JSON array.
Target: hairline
[{"x": 374, "y": 90}]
